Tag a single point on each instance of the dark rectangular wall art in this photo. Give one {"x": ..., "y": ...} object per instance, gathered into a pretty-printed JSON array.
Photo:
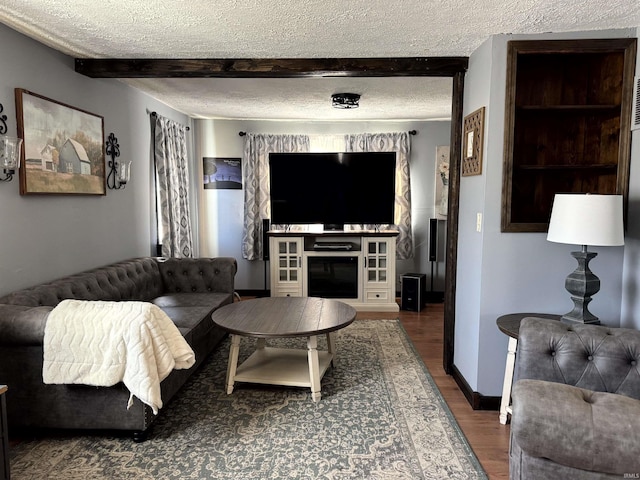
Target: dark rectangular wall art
[{"x": 222, "y": 173}]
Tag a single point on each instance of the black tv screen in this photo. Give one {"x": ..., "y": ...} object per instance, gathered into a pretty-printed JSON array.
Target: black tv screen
[{"x": 332, "y": 188}]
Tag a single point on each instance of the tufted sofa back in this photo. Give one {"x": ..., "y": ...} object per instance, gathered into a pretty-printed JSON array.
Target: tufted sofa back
[
  {"x": 593, "y": 357},
  {"x": 198, "y": 275},
  {"x": 135, "y": 279}
]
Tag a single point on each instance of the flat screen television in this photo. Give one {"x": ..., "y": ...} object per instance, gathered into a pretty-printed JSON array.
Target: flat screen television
[{"x": 332, "y": 188}]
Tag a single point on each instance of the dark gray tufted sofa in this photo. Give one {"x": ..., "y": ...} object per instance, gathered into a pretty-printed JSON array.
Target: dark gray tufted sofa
[
  {"x": 188, "y": 290},
  {"x": 576, "y": 402}
]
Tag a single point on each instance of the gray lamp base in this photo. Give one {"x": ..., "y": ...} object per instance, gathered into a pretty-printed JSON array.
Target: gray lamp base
[{"x": 582, "y": 283}]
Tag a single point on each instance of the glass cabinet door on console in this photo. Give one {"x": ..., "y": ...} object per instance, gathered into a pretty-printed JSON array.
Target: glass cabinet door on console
[
  {"x": 286, "y": 277},
  {"x": 379, "y": 256},
  {"x": 376, "y": 261}
]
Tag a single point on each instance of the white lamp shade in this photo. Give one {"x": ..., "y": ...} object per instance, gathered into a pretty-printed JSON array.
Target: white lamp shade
[{"x": 581, "y": 219}]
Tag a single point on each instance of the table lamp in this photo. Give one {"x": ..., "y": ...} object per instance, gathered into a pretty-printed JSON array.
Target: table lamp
[{"x": 584, "y": 219}]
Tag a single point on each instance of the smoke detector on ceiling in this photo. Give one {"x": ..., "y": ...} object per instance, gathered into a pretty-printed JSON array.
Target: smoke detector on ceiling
[{"x": 345, "y": 100}]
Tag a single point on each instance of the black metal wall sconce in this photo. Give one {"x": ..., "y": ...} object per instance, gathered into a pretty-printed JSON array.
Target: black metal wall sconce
[
  {"x": 9, "y": 150},
  {"x": 119, "y": 172}
]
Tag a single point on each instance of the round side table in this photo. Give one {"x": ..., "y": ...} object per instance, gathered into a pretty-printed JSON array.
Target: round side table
[{"x": 510, "y": 326}]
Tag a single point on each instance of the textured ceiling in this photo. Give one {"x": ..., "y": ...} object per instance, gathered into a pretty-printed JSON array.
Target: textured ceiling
[{"x": 300, "y": 29}]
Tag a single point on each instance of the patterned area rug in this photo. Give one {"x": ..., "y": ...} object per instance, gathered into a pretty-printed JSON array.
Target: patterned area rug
[{"x": 380, "y": 417}]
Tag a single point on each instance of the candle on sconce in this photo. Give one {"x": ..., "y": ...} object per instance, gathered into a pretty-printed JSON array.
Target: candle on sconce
[
  {"x": 10, "y": 152},
  {"x": 10, "y": 148},
  {"x": 124, "y": 172}
]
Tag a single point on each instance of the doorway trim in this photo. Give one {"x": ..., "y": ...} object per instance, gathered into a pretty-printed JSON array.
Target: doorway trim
[{"x": 454, "y": 67}]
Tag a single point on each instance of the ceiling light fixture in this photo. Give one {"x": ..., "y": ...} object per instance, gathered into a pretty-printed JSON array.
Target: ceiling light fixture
[{"x": 345, "y": 100}]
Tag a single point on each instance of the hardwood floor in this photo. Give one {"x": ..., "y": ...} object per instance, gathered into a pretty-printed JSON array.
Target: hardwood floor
[{"x": 488, "y": 439}]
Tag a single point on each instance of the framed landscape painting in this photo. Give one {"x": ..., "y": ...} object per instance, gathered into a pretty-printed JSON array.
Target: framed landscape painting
[{"x": 63, "y": 150}]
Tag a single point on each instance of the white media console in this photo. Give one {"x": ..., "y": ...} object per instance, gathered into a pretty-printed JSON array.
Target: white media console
[{"x": 356, "y": 267}]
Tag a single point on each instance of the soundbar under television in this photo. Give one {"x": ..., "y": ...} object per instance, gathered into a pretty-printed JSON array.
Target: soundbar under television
[{"x": 332, "y": 188}]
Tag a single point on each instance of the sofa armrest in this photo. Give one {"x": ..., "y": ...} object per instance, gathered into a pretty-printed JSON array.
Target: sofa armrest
[
  {"x": 198, "y": 275},
  {"x": 21, "y": 325},
  {"x": 575, "y": 427}
]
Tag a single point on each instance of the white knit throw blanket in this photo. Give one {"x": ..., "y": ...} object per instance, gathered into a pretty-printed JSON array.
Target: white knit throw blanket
[{"x": 103, "y": 343}]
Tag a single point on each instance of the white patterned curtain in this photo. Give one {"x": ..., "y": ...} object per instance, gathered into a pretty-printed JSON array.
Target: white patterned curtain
[
  {"x": 172, "y": 188},
  {"x": 255, "y": 173},
  {"x": 401, "y": 144}
]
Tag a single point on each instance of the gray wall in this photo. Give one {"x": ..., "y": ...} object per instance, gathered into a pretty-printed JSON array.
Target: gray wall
[
  {"x": 501, "y": 273},
  {"x": 221, "y": 211},
  {"x": 45, "y": 237}
]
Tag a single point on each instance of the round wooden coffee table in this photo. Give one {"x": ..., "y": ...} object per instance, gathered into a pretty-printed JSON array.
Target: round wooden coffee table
[{"x": 281, "y": 317}]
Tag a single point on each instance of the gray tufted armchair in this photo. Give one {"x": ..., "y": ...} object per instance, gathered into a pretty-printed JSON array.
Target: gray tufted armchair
[{"x": 576, "y": 402}]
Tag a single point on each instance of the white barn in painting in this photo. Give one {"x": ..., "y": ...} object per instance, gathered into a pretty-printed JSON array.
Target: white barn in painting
[{"x": 49, "y": 158}]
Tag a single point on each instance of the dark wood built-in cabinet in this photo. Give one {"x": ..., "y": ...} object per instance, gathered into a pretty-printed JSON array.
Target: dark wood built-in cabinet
[
  {"x": 5, "y": 474},
  {"x": 567, "y": 125}
]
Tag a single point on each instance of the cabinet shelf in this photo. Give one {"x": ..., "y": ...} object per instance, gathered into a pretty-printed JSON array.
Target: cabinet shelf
[
  {"x": 569, "y": 108},
  {"x": 567, "y": 124},
  {"x": 606, "y": 167}
]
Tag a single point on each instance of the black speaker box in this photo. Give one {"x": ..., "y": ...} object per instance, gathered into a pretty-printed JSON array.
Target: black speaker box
[
  {"x": 433, "y": 239},
  {"x": 266, "y": 225},
  {"x": 413, "y": 291}
]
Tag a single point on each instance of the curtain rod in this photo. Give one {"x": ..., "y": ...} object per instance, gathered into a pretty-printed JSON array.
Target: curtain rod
[
  {"x": 154, "y": 114},
  {"x": 411, "y": 132}
]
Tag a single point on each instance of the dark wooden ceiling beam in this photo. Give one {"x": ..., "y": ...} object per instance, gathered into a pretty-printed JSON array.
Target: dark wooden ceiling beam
[{"x": 271, "y": 68}]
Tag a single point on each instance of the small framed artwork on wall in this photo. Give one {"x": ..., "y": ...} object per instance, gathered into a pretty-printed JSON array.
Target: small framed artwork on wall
[
  {"x": 222, "y": 173},
  {"x": 473, "y": 143},
  {"x": 63, "y": 147},
  {"x": 442, "y": 182}
]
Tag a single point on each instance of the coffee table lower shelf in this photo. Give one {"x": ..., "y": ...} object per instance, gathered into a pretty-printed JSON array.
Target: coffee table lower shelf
[{"x": 281, "y": 366}]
